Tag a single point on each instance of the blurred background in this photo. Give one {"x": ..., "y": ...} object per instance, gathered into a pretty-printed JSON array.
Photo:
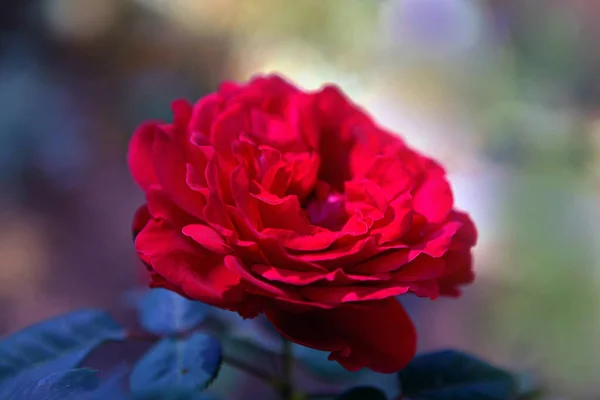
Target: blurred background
[{"x": 505, "y": 93}]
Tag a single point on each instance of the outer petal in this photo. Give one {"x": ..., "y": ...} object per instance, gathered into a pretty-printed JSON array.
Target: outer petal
[
  {"x": 467, "y": 235},
  {"x": 204, "y": 114},
  {"x": 459, "y": 272},
  {"x": 434, "y": 199},
  {"x": 140, "y": 219},
  {"x": 160, "y": 206},
  {"x": 378, "y": 335},
  {"x": 198, "y": 273},
  {"x": 171, "y": 170},
  {"x": 140, "y": 158}
]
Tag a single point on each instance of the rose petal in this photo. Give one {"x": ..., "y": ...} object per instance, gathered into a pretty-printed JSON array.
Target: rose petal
[
  {"x": 140, "y": 219},
  {"x": 378, "y": 335},
  {"x": 215, "y": 214},
  {"x": 319, "y": 241},
  {"x": 436, "y": 243},
  {"x": 302, "y": 278},
  {"x": 171, "y": 170},
  {"x": 276, "y": 179},
  {"x": 467, "y": 234},
  {"x": 247, "y": 155},
  {"x": 356, "y": 225},
  {"x": 228, "y": 126},
  {"x": 421, "y": 268},
  {"x": 390, "y": 175},
  {"x": 207, "y": 237},
  {"x": 157, "y": 281},
  {"x": 228, "y": 88},
  {"x": 200, "y": 274},
  {"x": 385, "y": 261},
  {"x": 368, "y": 198},
  {"x": 140, "y": 156},
  {"x": 240, "y": 191},
  {"x": 459, "y": 271},
  {"x": 430, "y": 288},
  {"x": 196, "y": 181},
  {"x": 300, "y": 113},
  {"x": 344, "y": 256},
  {"x": 268, "y": 93},
  {"x": 333, "y": 110},
  {"x": 264, "y": 287},
  {"x": 283, "y": 213},
  {"x": 399, "y": 215},
  {"x": 204, "y": 114},
  {"x": 182, "y": 112},
  {"x": 434, "y": 200},
  {"x": 199, "y": 157},
  {"x": 305, "y": 168},
  {"x": 270, "y": 247},
  {"x": 352, "y": 293},
  {"x": 218, "y": 175},
  {"x": 272, "y": 131},
  {"x": 160, "y": 206}
]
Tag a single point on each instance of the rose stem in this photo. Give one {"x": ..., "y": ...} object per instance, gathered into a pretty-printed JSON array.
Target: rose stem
[
  {"x": 242, "y": 366},
  {"x": 287, "y": 389}
]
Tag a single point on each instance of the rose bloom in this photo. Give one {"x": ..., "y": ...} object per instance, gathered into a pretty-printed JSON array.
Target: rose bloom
[{"x": 263, "y": 198}]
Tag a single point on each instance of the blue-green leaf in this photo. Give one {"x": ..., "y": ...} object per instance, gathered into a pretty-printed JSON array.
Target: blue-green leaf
[
  {"x": 73, "y": 384},
  {"x": 363, "y": 393},
  {"x": 112, "y": 388},
  {"x": 58, "y": 344},
  {"x": 452, "y": 375},
  {"x": 173, "y": 395},
  {"x": 165, "y": 313},
  {"x": 186, "y": 365},
  {"x": 69, "y": 384}
]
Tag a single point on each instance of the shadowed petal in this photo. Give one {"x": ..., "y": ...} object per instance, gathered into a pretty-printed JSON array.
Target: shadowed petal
[{"x": 378, "y": 335}]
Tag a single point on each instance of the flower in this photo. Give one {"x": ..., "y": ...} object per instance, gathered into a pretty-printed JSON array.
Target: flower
[{"x": 263, "y": 198}]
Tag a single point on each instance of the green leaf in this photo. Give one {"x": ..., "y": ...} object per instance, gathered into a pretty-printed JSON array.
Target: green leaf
[
  {"x": 184, "y": 365},
  {"x": 452, "y": 375},
  {"x": 164, "y": 312},
  {"x": 173, "y": 395},
  {"x": 57, "y": 344},
  {"x": 73, "y": 384},
  {"x": 363, "y": 393},
  {"x": 69, "y": 384},
  {"x": 111, "y": 389}
]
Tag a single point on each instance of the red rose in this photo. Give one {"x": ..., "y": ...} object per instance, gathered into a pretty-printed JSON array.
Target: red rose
[{"x": 262, "y": 198}]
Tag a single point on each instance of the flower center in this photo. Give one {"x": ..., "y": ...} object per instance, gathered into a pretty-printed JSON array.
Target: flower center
[{"x": 327, "y": 210}]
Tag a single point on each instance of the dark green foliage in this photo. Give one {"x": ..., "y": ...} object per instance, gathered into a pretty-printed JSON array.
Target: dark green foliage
[
  {"x": 452, "y": 375},
  {"x": 185, "y": 365}
]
